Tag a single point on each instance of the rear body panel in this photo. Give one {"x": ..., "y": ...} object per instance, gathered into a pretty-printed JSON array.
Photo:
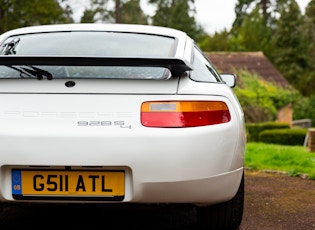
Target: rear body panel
[{"x": 102, "y": 129}]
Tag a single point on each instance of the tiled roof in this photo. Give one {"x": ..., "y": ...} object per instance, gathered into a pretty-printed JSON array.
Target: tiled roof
[{"x": 255, "y": 62}]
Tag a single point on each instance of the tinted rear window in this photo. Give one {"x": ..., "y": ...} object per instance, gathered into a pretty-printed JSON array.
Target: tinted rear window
[{"x": 92, "y": 43}]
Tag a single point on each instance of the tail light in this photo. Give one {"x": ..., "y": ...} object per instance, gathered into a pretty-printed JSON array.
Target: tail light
[{"x": 184, "y": 113}]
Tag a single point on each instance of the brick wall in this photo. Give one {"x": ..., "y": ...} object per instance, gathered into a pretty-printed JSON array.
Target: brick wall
[{"x": 285, "y": 114}]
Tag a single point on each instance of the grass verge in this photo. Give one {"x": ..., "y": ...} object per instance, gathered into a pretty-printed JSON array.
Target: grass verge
[{"x": 293, "y": 160}]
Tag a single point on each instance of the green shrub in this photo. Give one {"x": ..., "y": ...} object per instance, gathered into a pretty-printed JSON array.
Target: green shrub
[
  {"x": 254, "y": 129},
  {"x": 261, "y": 99},
  {"x": 289, "y": 136},
  {"x": 304, "y": 108}
]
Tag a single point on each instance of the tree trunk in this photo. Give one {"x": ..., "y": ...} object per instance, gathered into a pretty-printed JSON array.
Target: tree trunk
[{"x": 118, "y": 11}]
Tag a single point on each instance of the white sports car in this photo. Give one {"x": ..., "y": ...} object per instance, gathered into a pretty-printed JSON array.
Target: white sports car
[{"x": 113, "y": 113}]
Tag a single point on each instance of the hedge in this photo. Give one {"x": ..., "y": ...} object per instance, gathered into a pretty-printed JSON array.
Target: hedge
[
  {"x": 254, "y": 129},
  {"x": 294, "y": 136}
]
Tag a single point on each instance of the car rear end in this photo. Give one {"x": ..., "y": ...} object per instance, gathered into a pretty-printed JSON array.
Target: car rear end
[
  {"x": 152, "y": 133},
  {"x": 103, "y": 130}
]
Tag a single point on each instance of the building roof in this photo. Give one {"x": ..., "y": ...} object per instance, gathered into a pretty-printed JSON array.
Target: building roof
[{"x": 254, "y": 62}]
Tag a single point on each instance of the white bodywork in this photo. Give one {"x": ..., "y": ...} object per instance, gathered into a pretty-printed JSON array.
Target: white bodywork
[{"x": 39, "y": 130}]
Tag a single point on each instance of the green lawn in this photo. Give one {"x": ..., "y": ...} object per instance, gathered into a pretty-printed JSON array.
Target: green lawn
[{"x": 294, "y": 160}]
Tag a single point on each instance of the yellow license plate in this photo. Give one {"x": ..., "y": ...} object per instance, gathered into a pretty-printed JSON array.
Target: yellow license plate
[{"x": 36, "y": 183}]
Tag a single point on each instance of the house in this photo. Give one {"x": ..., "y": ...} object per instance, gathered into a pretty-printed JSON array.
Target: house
[{"x": 255, "y": 62}]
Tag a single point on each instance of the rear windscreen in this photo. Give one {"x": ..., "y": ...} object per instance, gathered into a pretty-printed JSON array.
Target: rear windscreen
[
  {"x": 91, "y": 43},
  {"x": 109, "y": 44}
]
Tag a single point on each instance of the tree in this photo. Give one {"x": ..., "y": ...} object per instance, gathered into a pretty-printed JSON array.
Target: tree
[
  {"x": 289, "y": 50},
  {"x": 216, "y": 42},
  {"x": 88, "y": 16},
  {"x": 118, "y": 11},
  {"x": 21, "y": 13},
  {"x": 163, "y": 13},
  {"x": 178, "y": 14},
  {"x": 96, "y": 12},
  {"x": 253, "y": 34},
  {"x": 267, "y": 9},
  {"x": 128, "y": 12},
  {"x": 132, "y": 13},
  {"x": 241, "y": 10},
  {"x": 5, "y": 6},
  {"x": 306, "y": 83}
]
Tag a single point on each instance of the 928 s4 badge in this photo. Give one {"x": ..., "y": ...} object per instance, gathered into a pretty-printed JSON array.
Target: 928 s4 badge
[{"x": 120, "y": 124}]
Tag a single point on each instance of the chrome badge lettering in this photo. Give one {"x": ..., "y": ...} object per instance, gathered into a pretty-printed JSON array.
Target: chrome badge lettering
[{"x": 120, "y": 124}]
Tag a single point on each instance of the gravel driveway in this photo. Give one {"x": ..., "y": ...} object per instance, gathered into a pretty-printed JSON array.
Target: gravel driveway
[{"x": 276, "y": 201}]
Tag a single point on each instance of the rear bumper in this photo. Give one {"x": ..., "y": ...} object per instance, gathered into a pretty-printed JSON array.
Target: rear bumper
[
  {"x": 200, "y": 191},
  {"x": 203, "y": 191},
  {"x": 173, "y": 166}
]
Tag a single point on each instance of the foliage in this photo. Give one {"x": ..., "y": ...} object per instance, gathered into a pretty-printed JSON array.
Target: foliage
[
  {"x": 289, "y": 50},
  {"x": 128, "y": 12},
  {"x": 243, "y": 8},
  {"x": 18, "y": 13},
  {"x": 253, "y": 35},
  {"x": 278, "y": 28},
  {"x": 254, "y": 129},
  {"x": 178, "y": 14},
  {"x": 261, "y": 99},
  {"x": 306, "y": 81},
  {"x": 132, "y": 13},
  {"x": 305, "y": 108},
  {"x": 294, "y": 136},
  {"x": 96, "y": 12},
  {"x": 217, "y": 42},
  {"x": 294, "y": 160}
]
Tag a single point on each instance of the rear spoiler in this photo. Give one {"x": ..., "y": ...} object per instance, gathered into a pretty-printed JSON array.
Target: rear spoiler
[{"x": 175, "y": 65}]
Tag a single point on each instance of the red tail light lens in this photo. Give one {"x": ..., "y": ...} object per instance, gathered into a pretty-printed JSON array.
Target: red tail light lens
[{"x": 184, "y": 113}]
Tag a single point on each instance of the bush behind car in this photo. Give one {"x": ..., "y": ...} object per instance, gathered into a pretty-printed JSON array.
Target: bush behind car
[{"x": 276, "y": 133}]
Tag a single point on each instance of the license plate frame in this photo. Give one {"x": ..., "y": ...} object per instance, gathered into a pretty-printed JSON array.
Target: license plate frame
[{"x": 108, "y": 185}]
